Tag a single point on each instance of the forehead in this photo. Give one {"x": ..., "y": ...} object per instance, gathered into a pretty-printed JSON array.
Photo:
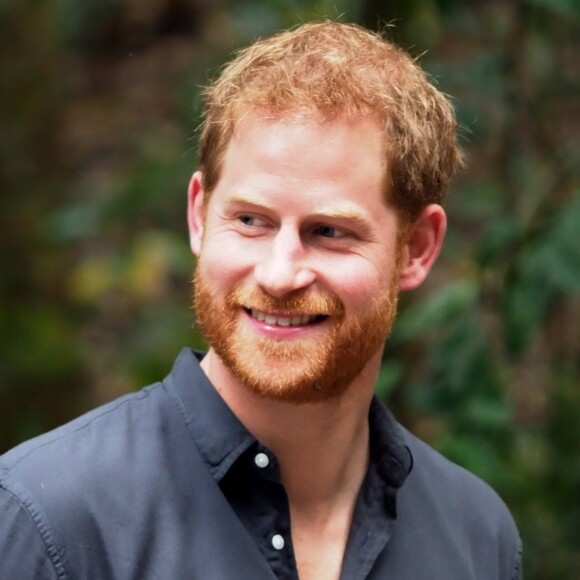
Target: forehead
[{"x": 302, "y": 147}]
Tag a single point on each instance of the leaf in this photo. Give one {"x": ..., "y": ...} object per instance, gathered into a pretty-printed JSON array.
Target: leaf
[
  {"x": 502, "y": 234},
  {"x": 523, "y": 309},
  {"x": 555, "y": 257},
  {"x": 547, "y": 268},
  {"x": 565, "y": 8},
  {"x": 445, "y": 306},
  {"x": 475, "y": 454},
  {"x": 390, "y": 374},
  {"x": 487, "y": 413}
]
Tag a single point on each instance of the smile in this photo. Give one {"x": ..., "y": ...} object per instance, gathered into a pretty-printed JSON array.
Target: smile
[{"x": 284, "y": 320}]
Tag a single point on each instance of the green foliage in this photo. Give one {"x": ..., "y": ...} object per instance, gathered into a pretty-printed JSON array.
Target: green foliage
[
  {"x": 487, "y": 364},
  {"x": 101, "y": 102},
  {"x": 546, "y": 269},
  {"x": 564, "y": 8}
]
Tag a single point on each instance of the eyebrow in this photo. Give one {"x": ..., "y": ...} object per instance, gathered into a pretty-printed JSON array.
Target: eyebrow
[{"x": 349, "y": 213}]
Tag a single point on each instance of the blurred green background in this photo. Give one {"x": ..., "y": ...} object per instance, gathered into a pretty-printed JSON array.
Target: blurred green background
[{"x": 98, "y": 114}]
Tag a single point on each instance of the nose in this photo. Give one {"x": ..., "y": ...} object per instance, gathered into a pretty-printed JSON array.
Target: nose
[{"x": 284, "y": 267}]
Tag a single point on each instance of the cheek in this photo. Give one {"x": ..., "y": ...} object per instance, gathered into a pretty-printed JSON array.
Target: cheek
[
  {"x": 224, "y": 262},
  {"x": 357, "y": 283},
  {"x": 354, "y": 284}
]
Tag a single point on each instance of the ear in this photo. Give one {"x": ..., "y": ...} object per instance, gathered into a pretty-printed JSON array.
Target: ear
[
  {"x": 422, "y": 246},
  {"x": 195, "y": 217}
]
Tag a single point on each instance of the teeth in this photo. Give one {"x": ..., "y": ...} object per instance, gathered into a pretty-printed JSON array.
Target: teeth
[{"x": 282, "y": 320}]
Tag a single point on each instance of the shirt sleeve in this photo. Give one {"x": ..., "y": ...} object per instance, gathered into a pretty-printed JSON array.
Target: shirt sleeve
[
  {"x": 518, "y": 572},
  {"x": 24, "y": 553}
]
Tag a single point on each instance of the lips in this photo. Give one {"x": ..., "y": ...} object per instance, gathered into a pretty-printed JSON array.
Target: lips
[{"x": 273, "y": 320}]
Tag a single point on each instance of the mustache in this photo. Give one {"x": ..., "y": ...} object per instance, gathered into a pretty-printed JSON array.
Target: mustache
[{"x": 295, "y": 304}]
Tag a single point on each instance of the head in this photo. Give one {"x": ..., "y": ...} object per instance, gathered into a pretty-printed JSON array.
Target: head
[
  {"x": 325, "y": 154},
  {"x": 330, "y": 70}
]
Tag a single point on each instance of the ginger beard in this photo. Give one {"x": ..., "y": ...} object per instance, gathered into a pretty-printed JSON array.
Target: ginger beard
[{"x": 308, "y": 370}]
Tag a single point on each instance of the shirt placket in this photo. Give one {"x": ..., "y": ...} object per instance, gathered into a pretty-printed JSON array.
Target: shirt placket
[{"x": 261, "y": 503}]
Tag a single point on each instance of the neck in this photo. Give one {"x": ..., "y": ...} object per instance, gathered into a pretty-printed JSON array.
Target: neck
[{"x": 322, "y": 448}]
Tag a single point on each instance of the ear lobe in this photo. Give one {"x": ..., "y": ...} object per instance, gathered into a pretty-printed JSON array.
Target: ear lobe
[
  {"x": 422, "y": 247},
  {"x": 195, "y": 217}
]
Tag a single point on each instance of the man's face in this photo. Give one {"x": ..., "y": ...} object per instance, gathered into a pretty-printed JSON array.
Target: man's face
[{"x": 297, "y": 278}]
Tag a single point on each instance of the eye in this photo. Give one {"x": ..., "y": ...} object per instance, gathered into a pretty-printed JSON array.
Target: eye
[
  {"x": 329, "y": 232},
  {"x": 251, "y": 225},
  {"x": 251, "y": 220},
  {"x": 247, "y": 220}
]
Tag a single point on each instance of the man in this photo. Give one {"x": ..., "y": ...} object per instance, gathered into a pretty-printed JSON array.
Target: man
[{"x": 325, "y": 155}]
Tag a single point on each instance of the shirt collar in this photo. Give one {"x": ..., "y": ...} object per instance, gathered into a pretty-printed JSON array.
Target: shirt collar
[
  {"x": 222, "y": 438},
  {"x": 389, "y": 452}
]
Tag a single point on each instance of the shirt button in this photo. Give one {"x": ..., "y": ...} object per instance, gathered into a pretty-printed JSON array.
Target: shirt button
[
  {"x": 278, "y": 542},
  {"x": 262, "y": 460}
]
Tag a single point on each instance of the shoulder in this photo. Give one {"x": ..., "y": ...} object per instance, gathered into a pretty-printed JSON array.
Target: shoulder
[
  {"x": 75, "y": 485},
  {"x": 460, "y": 509},
  {"x": 453, "y": 487},
  {"x": 54, "y": 477},
  {"x": 27, "y": 549},
  {"x": 92, "y": 439},
  {"x": 136, "y": 424}
]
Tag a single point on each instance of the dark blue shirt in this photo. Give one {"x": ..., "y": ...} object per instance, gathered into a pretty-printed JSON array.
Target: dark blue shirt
[{"x": 166, "y": 484}]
